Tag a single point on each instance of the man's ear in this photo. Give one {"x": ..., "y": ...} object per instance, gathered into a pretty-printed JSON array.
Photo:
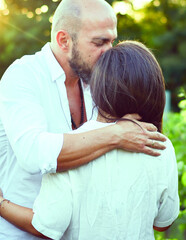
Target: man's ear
[{"x": 63, "y": 40}]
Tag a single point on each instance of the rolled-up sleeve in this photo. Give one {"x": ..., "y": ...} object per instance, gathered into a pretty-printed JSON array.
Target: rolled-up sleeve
[
  {"x": 53, "y": 208},
  {"x": 169, "y": 202},
  {"x": 25, "y": 123}
]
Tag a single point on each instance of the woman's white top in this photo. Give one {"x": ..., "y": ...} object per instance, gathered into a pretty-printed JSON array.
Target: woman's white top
[{"x": 120, "y": 195}]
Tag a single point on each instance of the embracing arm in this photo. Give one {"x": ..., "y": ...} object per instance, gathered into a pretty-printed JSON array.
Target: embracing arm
[
  {"x": 19, "y": 100},
  {"x": 81, "y": 148},
  {"x": 169, "y": 203},
  {"x": 19, "y": 216}
]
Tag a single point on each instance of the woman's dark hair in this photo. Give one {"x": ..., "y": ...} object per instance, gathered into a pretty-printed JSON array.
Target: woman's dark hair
[{"x": 128, "y": 79}]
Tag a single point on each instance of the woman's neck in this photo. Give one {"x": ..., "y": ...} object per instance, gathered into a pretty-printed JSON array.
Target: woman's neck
[{"x": 100, "y": 118}]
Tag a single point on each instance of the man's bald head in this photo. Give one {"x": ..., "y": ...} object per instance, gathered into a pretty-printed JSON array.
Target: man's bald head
[
  {"x": 70, "y": 15},
  {"x": 67, "y": 17}
]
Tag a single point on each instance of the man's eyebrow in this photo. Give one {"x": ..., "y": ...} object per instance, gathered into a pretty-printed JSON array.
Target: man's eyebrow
[{"x": 102, "y": 39}]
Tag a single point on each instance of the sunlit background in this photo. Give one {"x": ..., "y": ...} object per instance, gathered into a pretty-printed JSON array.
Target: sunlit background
[
  {"x": 150, "y": 21},
  {"x": 160, "y": 24},
  {"x": 119, "y": 7},
  {"x": 2, "y": 5},
  {"x": 123, "y": 7}
]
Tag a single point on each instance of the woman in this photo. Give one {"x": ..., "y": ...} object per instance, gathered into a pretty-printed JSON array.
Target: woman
[{"x": 121, "y": 195}]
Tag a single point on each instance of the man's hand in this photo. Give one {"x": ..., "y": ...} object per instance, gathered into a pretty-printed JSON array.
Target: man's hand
[
  {"x": 81, "y": 148},
  {"x": 139, "y": 136}
]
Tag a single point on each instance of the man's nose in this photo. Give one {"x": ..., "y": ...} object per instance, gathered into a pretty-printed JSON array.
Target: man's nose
[{"x": 106, "y": 47}]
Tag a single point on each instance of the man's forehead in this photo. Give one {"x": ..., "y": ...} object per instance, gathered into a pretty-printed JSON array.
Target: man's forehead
[
  {"x": 96, "y": 21},
  {"x": 100, "y": 29}
]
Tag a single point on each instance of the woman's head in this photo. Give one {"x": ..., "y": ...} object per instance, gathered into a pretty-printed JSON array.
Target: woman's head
[{"x": 128, "y": 79}]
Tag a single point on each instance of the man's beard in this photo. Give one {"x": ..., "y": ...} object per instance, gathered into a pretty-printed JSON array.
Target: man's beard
[{"x": 79, "y": 67}]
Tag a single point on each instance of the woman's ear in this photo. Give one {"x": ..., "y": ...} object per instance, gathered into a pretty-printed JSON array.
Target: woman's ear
[{"x": 63, "y": 40}]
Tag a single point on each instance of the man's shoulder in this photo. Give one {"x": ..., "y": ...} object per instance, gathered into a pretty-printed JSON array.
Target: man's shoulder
[
  {"x": 27, "y": 65},
  {"x": 30, "y": 62}
]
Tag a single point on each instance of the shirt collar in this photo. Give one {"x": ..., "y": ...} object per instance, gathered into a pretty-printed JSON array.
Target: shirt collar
[{"x": 53, "y": 66}]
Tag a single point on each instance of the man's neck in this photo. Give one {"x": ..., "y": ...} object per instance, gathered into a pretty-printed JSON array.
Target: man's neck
[{"x": 71, "y": 81}]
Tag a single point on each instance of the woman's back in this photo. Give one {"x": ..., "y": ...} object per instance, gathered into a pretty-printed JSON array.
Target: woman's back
[{"x": 115, "y": 197}]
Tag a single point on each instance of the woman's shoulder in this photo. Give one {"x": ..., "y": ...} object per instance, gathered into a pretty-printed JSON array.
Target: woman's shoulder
[
  {"x": 91, "y": 125},
  {"x": 168, "y": 142},
  {"x": 169, "y": 151}
]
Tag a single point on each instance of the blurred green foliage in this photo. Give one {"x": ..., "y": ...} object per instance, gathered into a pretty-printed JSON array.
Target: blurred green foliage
[
  {"x": 175, "y": 129},
  {"x": 22, "y": 30},
  {"x": 161, "y": 25}
]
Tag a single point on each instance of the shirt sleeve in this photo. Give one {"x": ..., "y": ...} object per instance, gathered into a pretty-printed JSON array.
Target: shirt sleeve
[
  {"x": 53, "y": 206},
  {"x": 25, "y": 122},
  {"x": 169, "y": 201}
]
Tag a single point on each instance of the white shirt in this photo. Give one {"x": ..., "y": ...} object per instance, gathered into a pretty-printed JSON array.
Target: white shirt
[
  {"x": 120, "y": 195},
  {"x": 34, "y": 114}
]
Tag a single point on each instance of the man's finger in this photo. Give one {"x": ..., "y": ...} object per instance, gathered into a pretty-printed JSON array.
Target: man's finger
[
  {"x": 150, "y": 151},
  {"x": 148, "y": 126},
  {"x": 155, "y": 144},
  {"x": 156, "y": 136}
]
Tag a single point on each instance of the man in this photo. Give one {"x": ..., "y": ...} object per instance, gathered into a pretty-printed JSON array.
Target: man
[{"x": 42, "y": 98}]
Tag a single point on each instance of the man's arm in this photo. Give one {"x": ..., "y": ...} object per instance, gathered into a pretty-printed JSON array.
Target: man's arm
[
  {"x": 42, "y": 148},
  {"x": 81, "y": 148}
]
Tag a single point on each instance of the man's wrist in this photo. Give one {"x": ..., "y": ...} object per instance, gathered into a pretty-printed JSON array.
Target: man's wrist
[{"x": 114, "y": 136}]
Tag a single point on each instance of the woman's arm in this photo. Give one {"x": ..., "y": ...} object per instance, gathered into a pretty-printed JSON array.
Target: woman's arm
[
  {"x": 19, "y": 216},
  {"x": 161, "y": 229}
]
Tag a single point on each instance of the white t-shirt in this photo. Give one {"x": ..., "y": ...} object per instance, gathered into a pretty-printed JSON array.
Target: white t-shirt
[
  {"x": 120, "y": 195},
  {"x": 34, "y": 114}
]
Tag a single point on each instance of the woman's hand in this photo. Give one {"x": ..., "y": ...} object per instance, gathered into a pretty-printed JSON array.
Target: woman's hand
[{"x": 1, "y": 195}]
